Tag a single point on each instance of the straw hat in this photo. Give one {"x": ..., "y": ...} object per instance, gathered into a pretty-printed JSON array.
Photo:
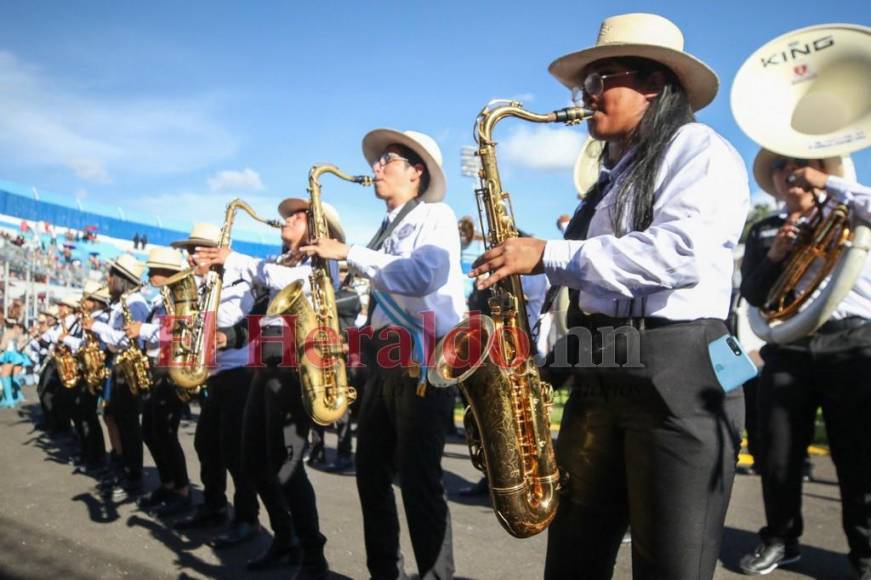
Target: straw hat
[
  {"x": 165, "y": 259},
  {"x": 644, "y": 36},
  {"x": 129, "y": 266},
  {"x": 841, "y": 166},
  {"x": 376, "y": 141},
  {"x": 101, "y": 295},
  {"x": 91, "y": 286},
  {"x": 201, "y": 234},
  {"x": 292, "y": 205},
  {"x": 71, "y": 300},
  {"x": 586, "y": 171},
  {"x": 51, "y": 310}
]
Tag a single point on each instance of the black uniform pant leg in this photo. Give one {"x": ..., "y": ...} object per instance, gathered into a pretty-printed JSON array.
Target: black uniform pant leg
[
  {"x": 751, "y": 417},
  {"x": 257, "y": 455},
  {"x": 420, "y": 441},
  {"x": 165, "y": 422},
  {"x": 843, "y": 382},
  {"x": 64, "y": 407},
  {"x": 77, "y": 418},
  {"x": 376, "y": 446},
  {"x": 148, "y": 438},
  {"x": 343, "y": 431},
  {"x": 234, "y": 385},
  {"x": 207, "y": 443},
  {"x": 94, "y": 444},
  {"x": 288, "y": 432},
  {"x": 125, "y": 410},
  {"x": 787, "y": 407}
]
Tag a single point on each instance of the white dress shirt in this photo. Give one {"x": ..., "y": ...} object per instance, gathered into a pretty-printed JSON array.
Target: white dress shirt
[
  {"x": 418, "y": 266},
  {"x": 111, "y": 332},
  {"x": 858, "y": 198},
  {"x": 237, "y": 300},
  {"x": 682, "y": 264}
]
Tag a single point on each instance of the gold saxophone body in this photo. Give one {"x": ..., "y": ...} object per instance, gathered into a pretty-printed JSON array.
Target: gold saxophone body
[
  {"x": 67, "y": 366},
  {"x": 194, "y": 310},
  {"x": 326, "y": 393},
  {"x": 508, "y": 419},
  {"x": 92, "y": 359},
  {"x": 132, "y": 362}
]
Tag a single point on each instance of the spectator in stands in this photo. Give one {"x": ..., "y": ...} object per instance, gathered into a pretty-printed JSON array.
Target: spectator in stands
[
  {"x": 136, "y": 239},
  {"x": 144, "y": 240}
]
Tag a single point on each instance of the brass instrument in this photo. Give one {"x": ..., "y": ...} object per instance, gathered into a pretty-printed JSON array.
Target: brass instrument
[
  {"x": 67, "y": 367},
  {"x": 92, "y": 358},
  {"x": 132, "y": 362},
  {"x": 507, "y": 421},
  {"x": 321, "y": 362},
  {"x": 797, "y": 97},
  {"x": 194, "y": 311}
]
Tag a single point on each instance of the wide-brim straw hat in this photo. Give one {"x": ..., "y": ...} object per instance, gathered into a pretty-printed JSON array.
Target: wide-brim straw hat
[
  {"x": 292, "y": 205},
  {"x": 51, "y": 310},
  {"x": 647, "y": 36},
  {"x": 202, "y": 234},
  {"x": 165, "y": 259},
  {"x": 377, "y": 140},
  {"x": 101, "y": 295},
  {"x": 841, "y": 166},
  {"x": 71, "y": 300},
  {"x": 130, "y": 267},
  {"x": 586, "y": 170}
]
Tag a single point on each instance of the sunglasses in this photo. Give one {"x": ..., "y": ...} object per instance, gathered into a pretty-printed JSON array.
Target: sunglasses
[
  {"x": 389, "y": 157},
  {"x": 593, "y": 84},
  {"x": 780, "y": 163}
]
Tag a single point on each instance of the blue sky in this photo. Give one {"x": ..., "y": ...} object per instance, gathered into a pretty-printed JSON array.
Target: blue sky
[{"x": 172, "y": 108}]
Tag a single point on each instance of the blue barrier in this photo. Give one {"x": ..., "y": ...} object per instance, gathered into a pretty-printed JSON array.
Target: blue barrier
[{"x": 60, "y": 216}]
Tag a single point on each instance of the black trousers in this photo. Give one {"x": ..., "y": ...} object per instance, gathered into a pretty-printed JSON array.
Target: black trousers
[
  {"x": 218, "y": 442},
  {"x": 88, "y": 427},
  {"x": 124, "y": 407},
  {"x": 653, "y": 447},
  {"x": 401, "y": 433},
  {"x": 343, "y": 430},
  {"x": 830, "y": 370},
  {"x": 276, "y": 429},
  {"x": 161, "y": 415},
  {"x": 55, "y": 403}
]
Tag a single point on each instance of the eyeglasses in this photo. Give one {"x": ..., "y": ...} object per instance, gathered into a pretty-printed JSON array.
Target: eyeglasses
[
  {"x": 780, "y": 163},
  {"x": 387, "y": 158},
  {"x": 594, "y": 84}
]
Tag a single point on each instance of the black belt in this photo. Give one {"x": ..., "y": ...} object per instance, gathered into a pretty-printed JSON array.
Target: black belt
[
  {"x": 592, "y": 321},
  {"x": 833, "y": 326},
  {"x": 274, "y": 330}
]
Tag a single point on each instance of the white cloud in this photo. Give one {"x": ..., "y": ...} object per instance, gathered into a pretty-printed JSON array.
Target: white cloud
[
  {"x": 48, "y": 125},
  {"x": 543, "y": 147},
  {"x": 230, "y": 181}
]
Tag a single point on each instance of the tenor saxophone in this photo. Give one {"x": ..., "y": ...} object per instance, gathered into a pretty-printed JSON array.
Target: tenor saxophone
[
  {"x": 67, "y": 367},
  {"x": 132, "y": 362},
  {"x": 193, "y": 309},
  {"x": 508, "y": 418},
  {"x": 92, "y": 358},
  {"x": 326, "y": 393}
]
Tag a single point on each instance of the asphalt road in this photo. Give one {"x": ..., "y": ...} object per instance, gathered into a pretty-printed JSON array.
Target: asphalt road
[{"x": 53, "y": 524}]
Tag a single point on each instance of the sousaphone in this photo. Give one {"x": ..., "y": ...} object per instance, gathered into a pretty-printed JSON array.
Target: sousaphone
[{"x": 806, "y": 95}]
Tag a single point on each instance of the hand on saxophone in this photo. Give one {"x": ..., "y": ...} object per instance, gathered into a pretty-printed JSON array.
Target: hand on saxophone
[
  {"x": 513, "y": 256},
  {"x": 206, "y": 256},
  {"x": 808, "y": 178},
  {"x": 326, "y": 248},
  {"x": 132, "y": 329},
  {"x": 87, "y": 323}
]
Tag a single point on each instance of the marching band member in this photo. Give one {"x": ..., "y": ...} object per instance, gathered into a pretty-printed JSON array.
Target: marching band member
[
  {"x": 70, "y": 337},
  {"x": 413, "y": 265},
  {"x": 162, "y": 408},
  {"x": 651, "y": 247},
  {"x": 818, "y": 370},
  {"x": 121, "y": 404},
  {"x": 218, "y": 438},
  {"x": 49, "y": 383},
  {"x": 276, "y": 425}
]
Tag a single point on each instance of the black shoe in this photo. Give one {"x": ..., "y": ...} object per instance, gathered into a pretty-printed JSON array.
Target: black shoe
[
  {"x": 807, "y": 472},
  {"x": 746, "y": 470},
  {"x": 316, "y": 457},
  {"x": 480, "y": 488},
  {"x": 342, "y": 463},
  {"x": 203, "y": 517},
  {"x": 129, "y": 490},
  {"x": 627, "y": 537},
  {"x": 277, "y": 553},
  {"x": 766, "y": 557},
  {"x": 313, "y": 568},
  {"x": 238, "y": 533},
  {"x": 154, "y": 498},
  {"x": 174, "y": 505}
]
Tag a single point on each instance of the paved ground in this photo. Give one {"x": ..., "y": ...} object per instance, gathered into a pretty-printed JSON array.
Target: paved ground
[{"x": 54, "y": 525}]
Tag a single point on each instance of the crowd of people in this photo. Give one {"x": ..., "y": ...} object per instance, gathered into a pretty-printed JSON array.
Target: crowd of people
[{"x": 650, "y": 447}]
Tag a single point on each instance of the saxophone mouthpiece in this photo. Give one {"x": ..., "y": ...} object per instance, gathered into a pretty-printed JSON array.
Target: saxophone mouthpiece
[
  {"x": 363, "y": 180},
  {"x": 572, "y": 115},
  {"x": 274, "y": 223}
]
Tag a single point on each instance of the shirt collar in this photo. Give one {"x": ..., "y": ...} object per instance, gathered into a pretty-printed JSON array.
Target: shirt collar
[
  {"x": 609, "y": 175},
  {"x": 391, "y": 215}
]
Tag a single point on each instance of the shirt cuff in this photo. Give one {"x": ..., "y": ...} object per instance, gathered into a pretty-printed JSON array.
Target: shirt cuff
[
  {"x": 556, "y": 259},
  {"x": 363, "y": 260},
  {"x": 149, "y": 331},
  {"x": 839, "y": 189},
  {"x": 100, "y": 328}
]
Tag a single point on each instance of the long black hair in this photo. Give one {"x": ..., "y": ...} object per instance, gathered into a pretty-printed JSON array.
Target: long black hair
[{"x": 667, "y": 112}]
